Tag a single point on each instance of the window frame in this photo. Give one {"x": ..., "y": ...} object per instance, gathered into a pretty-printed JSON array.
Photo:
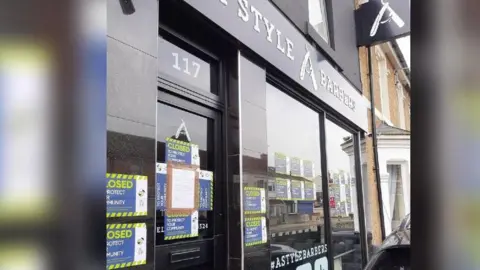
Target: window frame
[
  {"x": 306, "y": 98},
  {"x": 325, "y": 18}
]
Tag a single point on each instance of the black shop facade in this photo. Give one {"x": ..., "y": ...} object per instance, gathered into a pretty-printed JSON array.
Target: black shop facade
[{"x": 256, "y": 160}]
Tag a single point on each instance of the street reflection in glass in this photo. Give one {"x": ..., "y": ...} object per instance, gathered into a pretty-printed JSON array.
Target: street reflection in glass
[
  {"x": 342, "y": 198},
  {"x": 294, "y": 183}
]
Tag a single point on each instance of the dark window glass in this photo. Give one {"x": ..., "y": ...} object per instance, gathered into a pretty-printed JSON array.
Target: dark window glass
[
  {"x": 342, "y": 198},
  {"x": 295, "y": 214},
  {"x": 188, "y": 127}
]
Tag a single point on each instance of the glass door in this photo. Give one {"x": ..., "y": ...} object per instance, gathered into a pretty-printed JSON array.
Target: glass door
[{"x": 189, "y": 196}]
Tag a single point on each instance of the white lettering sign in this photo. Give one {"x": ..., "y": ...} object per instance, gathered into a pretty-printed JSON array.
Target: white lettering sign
[
  {"x": 325, "y": 81},
  {"x": 298, "y": 256},
  {"x": 262, "y": 25}
]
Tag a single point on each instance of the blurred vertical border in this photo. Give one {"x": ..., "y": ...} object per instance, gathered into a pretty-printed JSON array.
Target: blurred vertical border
[
  {"x": 445, "y": 134},
  {"x": 52, "y": 134}
]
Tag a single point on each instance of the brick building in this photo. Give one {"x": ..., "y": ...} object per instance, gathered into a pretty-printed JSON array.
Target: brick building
[{"x": 392, "y": 117}]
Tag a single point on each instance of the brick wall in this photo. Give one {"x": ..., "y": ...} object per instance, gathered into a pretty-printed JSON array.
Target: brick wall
[
  {"x": 394, "y": 104},
  {"x": 406, "y": 104},
  {"x": 393, "y": 95},
  {"x": 394, "y": 118},
  {"x": 376, "y": 81},
  {"x": 372, "y": 186},
  {"x": 374, "y": 208}
]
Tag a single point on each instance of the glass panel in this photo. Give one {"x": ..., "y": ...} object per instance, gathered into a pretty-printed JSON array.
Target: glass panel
[
  {"x": 295, "y": 214},
  {"x": 183, "y": 67},
  {"x": 174, "y": 123},
  {"x": 343, "y": 200},
  {"x": 317, "y": 15}
]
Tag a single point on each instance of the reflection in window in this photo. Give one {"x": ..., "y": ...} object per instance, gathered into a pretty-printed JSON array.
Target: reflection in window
[
  {"x": 317, "y": 16},
  {"x": 342, "y": 198},
  {"x": 295, "y": 213}
]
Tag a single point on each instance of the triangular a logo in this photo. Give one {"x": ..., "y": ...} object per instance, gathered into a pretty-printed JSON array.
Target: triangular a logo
[{"x": 182, "y": 133}]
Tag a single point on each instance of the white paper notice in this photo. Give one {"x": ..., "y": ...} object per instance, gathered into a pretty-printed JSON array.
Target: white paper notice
[{"x": 183, "y": 189}]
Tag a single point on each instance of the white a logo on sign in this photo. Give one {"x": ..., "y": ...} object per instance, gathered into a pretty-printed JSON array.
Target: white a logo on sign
[
  {"x": 392, "y": 16},
  {"x": 307, "y": 68}
]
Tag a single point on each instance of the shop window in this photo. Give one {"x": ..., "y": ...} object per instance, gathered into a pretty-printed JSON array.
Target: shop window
[
  {"x": 317, "y": 16},
  {"x": 296, "y": 221},
  {"x": 344, "y": 216}
]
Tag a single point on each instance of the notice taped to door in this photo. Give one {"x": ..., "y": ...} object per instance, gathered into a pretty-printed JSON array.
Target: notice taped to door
[
  {"x": 126, "y": 195},
  {"x": 255, "y": 231},
  {"x": 161, "y": 186},
  {"x": 254, "y": 200},
  {"x": 180, "y": 226},
  {"x": 126, "y": 245},
  {"x": 206, "y": 191},
  {"x": 181, "y": 152}
]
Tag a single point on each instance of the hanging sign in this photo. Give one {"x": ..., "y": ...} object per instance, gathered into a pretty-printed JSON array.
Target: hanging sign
[
  {"x": 161, "y": 186},
  {"x": 282, "y": 189},
  {"x": 254, "y": 200},
  {"x": 281, "y": 164},
  {"x": 180, "y": 226},
  {"x": 126, "y": 245},
  {"x": 181, "y": 152},
  {"x": 206, "y": 191},
  {"x": 255, "y": 231},
  {"x": 310, "y": 191},
  {"x": 379, "y": 21},
  {"x": 295, "y": 166},
  {"x": 126, "y": 195},
  {"x": 297, "y": 191}
]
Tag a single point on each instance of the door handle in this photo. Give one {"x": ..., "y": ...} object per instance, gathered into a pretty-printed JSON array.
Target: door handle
[{"x": 184, "y": 255}]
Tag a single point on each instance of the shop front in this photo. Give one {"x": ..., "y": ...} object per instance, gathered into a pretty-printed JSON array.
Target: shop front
[{"x": 245, "y": 169}]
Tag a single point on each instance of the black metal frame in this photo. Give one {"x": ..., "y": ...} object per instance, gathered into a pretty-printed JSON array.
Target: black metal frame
[
  {"x": 212, "y": 106},
  {"x": 304, "y": 97},
  {"x": 199, "y": 248}
]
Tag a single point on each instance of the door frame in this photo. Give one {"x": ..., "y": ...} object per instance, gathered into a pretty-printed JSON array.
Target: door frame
[{"x": 200, "y": 250}]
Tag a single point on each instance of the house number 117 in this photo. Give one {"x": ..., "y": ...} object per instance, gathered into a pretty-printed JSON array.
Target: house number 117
[{"x": 186, "y": 65}]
